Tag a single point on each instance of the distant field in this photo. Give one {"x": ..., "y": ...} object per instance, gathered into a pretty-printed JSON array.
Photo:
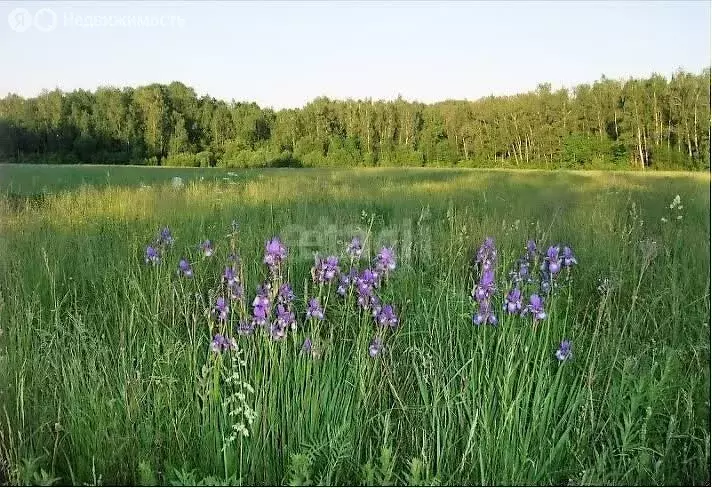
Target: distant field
[
  {"x": 106, "y": 368},
  {"x": 34, "y": 178},
  {"x": 30, "y": 179}
]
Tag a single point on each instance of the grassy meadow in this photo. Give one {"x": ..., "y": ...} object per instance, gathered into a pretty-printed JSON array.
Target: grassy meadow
[{"x": 107, "y": 374}]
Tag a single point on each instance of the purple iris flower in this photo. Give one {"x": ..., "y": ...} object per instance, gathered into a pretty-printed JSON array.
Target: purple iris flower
[
  {"x": 325, "y": 270},
  {"x": 229, "y": 276},
  {"x": 165, "y": 237},
  {"x": 355, "y": 248},
  {"x": 369, "y": 277},
  {"x": 484, "y": 290},
  {"x": 185, "y": 269},
  {"x": 486, "y": 287},
  {"x": 484, "y": 314},
  {"x": 261, "y": 305},
  {"x": 263, "y": 295},
  {"x": 277, "y": 331},
  {"x": 261, "y": 301},
  {"x": 264, "y": 289},
  {"x": 385, "y": 260},
  {"x": 376, "y": 347},
  {"x": 344, "y": 284},
  {"x": 553, "y": 260},
  {"x": 331, "y": 268},
  {"x": 285, "y": 317},
  {"x": 275, "y": 253},
  {"x": 236, "y": 290},
  {"x": 152, "y": 256},
  {"x": 219, "y": 343},
  {"x": 245, "y": 328},
  {"x": 486, "y": 249},
  {"x": 569, "y": 258},
  {"x": 314, "y": 309},
  {"x": 307, "y": 346},
  {"x": 285, "y": 294},
  {"x": 487, "y": 254},
  {"x": 564, "y": 351},
  {"x": 206, "y": 248},
  {"x": 364, "y": 299},
  {"x": 364, "y": 287},
  {"x": 513, "y": 301},
  {"x": 221, "y": 309},
  {"x": 536, "y": 307},
  {"x": 259, "y": 315},
  {"x": 347, "y": 281},
  {"x": 365, "y": 293},
  {"x": 387, "y": 317}
]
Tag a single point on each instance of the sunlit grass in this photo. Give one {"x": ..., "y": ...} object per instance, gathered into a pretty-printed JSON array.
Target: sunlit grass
[{"x": 101, "y": 358}]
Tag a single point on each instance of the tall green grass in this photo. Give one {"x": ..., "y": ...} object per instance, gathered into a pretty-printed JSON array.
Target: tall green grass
[{"x": 106, "y": 376}]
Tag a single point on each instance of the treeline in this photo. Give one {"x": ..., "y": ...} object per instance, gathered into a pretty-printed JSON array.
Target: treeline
[{"x": 638, "y": 123}]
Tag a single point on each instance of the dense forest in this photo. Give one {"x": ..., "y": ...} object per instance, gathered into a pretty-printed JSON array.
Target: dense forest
[{"x": 639, "y": 123}]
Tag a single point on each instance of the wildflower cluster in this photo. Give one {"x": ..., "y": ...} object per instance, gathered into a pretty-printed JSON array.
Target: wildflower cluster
[
  {"x": 533, "y": 277},
  {"x": 284, "y": 320},
  {"x": 484, "y": 290},
  {"x": 229, "y": 303},
  {"x": 365, "y": 285},
  {"x": 325, "y": 270},
  {"x": 273, "y": 307},
  {"x": 550, "y": 266},
  {"x": 553, "y": 266},
  {"x": 158, "y": 246},
  {"x": 270, "y": 310}
]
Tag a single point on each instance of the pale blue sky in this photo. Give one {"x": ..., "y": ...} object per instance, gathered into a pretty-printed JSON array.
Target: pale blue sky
[{"x": 283, "y": 54}]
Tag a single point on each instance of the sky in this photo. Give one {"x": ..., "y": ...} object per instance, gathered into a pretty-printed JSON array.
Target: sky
[{"x": 284, "y": 54}]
